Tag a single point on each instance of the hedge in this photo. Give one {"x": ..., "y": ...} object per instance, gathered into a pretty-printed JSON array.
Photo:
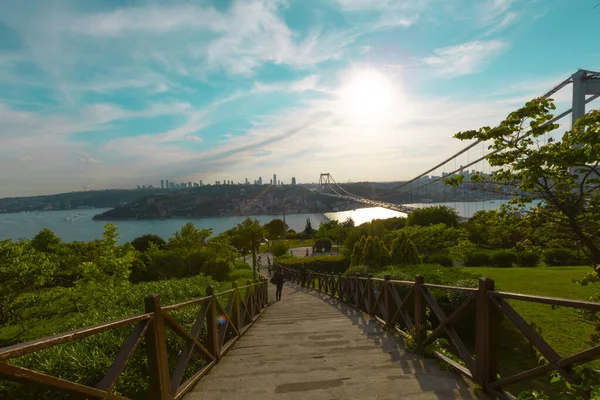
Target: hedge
[
  {"x": 478, "y": 259},
  {"x": 528, "y": 259},
  {"x": 443, "y": 259},
  {"x": 558, "y": 257},
  {"x": 503, "y": 259},
  {"x": 324, "y": 264}
]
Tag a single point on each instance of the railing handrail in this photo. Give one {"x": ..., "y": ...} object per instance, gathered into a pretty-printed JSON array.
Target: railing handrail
[
  {"x": 241, "y": 312},
  {"x": 379, "y": 298}
]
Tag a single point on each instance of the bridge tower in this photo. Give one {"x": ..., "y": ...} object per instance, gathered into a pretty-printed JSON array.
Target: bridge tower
[
  {"x": 324, "y": 180},
  {"x": 584, "y": 83}
]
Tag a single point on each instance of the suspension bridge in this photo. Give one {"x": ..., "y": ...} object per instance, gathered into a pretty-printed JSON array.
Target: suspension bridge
[
  {"x": 331, "y": 336},
  {"x": 428, "y": 187}
]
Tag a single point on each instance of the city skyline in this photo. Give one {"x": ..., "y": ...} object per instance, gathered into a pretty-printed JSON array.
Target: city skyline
[{"x": 104, "y": 95}]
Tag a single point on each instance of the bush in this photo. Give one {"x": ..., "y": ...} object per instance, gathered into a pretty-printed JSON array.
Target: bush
[
  {"x": 528, "y": 259},
  {"x": 142, "y": 243},
  {"x": 323, "y": 264},
  {"x": 404, "y": 251},
  {"x": 478, "y": 259},
  {"x": 279, "y": 249},
  {"x": 432, "y": 216},
  {"x": 443, "y": 259},
  {"x": 323, "y": 243},
  {"x": 291, "y": 234},
  {"x": 503, "y": 259},
  {"x": 557, "y": 257},
  {"x": 240, "y": 264}
]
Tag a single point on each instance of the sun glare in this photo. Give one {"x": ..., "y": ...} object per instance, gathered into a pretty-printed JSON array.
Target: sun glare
[{"x": 368, "y": 97}]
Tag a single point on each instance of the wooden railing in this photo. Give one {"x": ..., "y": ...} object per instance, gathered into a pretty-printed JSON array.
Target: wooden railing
[
  {"x": 381, "y": 299},
  {"x": 239, "y": 314}
]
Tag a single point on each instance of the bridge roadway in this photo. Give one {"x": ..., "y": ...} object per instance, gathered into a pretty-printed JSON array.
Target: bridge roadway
[
  {"x": 309, "y": 346},
  {"x": 374, "y": 203}
]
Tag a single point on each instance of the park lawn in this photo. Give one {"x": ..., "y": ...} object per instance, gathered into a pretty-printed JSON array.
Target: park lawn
[
  {"x": 292, "y": 243},
  {"x": 560, "y": 327}
]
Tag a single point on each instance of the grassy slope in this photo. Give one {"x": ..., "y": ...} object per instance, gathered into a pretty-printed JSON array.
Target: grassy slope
[{"x": 561, "y": 327}]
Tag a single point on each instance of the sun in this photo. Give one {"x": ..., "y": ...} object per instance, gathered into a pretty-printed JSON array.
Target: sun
[{"x": 368, "y": 97}]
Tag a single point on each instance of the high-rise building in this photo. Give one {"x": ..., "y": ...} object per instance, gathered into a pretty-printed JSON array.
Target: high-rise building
[
  {"x": 138, "y": 186},
  {"x": 278, "y": 183},
  {"x": 201, "y": 184},
  {"x": 167, "y": 183},
  {"x": 196, "y": 184},
  {"x": 271, "y": 181},
  {"x": 293, "y": 180},
  {"x": 189, "y": 184},
  {"x": 275, "y": 179},
  {"x": 162, "y": 184},
  {"x": 260, "y": 180},
  {"x": 172, "y": 185}
]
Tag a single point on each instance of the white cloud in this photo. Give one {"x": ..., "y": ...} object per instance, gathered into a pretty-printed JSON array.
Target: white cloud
[
  {"x": 464, "y": 59},
  {"x": 193, "y": 138}
]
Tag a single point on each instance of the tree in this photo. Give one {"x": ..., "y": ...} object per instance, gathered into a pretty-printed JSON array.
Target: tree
[
  {"x": 46, "y": 241},
  {"x": 434, "y": 238},
  {"x": 189, "y": 239},
  {"x": 275, "y": 229},
  {"x": 358, "y": 251},
  {"x": 433, "y": 215},
  {"x": 375, "y": 254},
  {"x": 564, "y": 173},
  {"x": 403, "y": 250},
  {"x": 308, "y": 229},
  {"x": 142, "y": 243}
]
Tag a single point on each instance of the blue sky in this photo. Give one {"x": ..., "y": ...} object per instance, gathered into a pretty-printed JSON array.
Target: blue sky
[{"x": 108, "y": 94}]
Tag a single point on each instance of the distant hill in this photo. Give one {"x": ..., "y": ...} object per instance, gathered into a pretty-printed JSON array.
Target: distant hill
[
  {"x": 225, "y": 200},
  {"x": 74, "y": 200}
]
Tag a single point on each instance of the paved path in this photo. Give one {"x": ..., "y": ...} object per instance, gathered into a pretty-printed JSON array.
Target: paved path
[{"x": 309, "y": 346}]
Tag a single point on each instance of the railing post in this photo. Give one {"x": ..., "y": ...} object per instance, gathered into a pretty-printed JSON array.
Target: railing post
[
  {"x": 319, "y": 283},
  {"x": 387, "y": 301},
  {"x": 212, "y": 329},
  {"x": 236, "y": 319},
  {"x": 369, "y": 293},
  {"x": 156, "y": 350},
  {"x": 485, "y": 340},
  {"x": 340, "y": 287},
  {"x": 250, "y": 297},
  {"x": 419, "y": 310}
]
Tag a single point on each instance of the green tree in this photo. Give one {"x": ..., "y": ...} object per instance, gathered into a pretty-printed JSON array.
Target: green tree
[
  {"x": 564, "y": 173},
  {"x": 358, "y": 251},
  {"x": 375, "y": 254},
  {"x": 142, "y": 243},
  {"x": 433, "y": 215},
  {"x": 275, "y": 229},
  {"x": 404, "y": 250},
  {"x": 308, "y": 229},
  {"x": 46, "y": 241},
  {"x": 434, "y": 238},
  {"x": 189, "y": 239}
]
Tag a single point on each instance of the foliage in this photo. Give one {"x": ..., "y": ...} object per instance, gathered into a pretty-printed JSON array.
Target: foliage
[
  {"x": 325, "y": 243},
  {"x": 275, "y": 229},
  {"x": 375, "y": 254},
  {"x": 323, "y": 264},
  {"x": 308, "y": 229},
  {"x": 46, "y": 241},
  {"x": 460, "y": 251},
  {"x": 563, "y": 173},
  {"x": 358, "y": 250},
  {"x": 443, "y": 259},
  {"x": 142, "y": 243},
  {"x": 529, "y": 259},
  {"x": 279, "y": 249},
  {"x": 189, "y": 239},
  {"x": 434, "y": 238},
  {"x": 556, "y": 257},
  {"x": 403, "y": 250},
  {"x": 291, "y": 234},
  {"x": 432, "y": 216},
  {"x": 478, "y": 259},
  {"x": 503, "y": 259}
]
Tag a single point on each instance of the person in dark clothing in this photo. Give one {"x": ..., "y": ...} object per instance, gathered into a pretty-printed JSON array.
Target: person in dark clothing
[{"x": 278, "y": 281}]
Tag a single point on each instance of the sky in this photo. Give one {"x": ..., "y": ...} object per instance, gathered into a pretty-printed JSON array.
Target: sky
[{"x": 119, "y": 93}]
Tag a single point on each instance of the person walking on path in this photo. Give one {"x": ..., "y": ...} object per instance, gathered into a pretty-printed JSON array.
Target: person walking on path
[{"x": 278, "y": 281}]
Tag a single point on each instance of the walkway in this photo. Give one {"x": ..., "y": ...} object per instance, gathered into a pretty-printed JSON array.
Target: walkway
[{"x": 308, "y": 346}]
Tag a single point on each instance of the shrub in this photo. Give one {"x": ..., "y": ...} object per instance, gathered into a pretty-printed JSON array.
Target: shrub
[
  {"x": 404, "y": 250},
  {"x": 240, "y": 264},
  {"x": 279, "y": 249},
  {"x": 142, "y": 243},
  {"x": 478, "y": 259},
  {"x": 443, "y": 259},
  {"x": 323, "y": 264},
  {"x": 556, "y": 257},
  {"x": 358, "y": 251},
  {"x": 291, "y": 234},
  {"x": 529, "y": 259},
  {"x": 323, "y": 243},
  {"x": 503, "y": 259},
  {"x": 375, "y": 254},
  {"x": 433, "y": 215}
]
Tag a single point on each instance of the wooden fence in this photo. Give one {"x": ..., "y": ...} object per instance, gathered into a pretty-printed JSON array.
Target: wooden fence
[
  {"x": 406, "y": 315},
  {"x": 239, "y": 314}
]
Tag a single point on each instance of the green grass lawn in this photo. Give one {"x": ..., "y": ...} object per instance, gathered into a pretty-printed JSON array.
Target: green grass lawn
[
  {"x": 292, "y": 243},
  {"x": 561, "y": 327}
]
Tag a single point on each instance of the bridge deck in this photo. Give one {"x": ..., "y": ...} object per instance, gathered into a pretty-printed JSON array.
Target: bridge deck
[{"x": 308, "y": 346}]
